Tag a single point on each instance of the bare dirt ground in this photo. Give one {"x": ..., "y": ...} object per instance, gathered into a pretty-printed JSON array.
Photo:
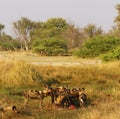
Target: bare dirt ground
[{"x": 92, "y": 62}]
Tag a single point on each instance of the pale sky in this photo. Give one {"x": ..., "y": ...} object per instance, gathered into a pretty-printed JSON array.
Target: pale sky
[{"x": 79, "y": 12}]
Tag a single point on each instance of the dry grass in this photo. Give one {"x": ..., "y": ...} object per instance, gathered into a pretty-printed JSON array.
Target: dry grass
[
  {"x": 101, "y": 81},
  {"x": 14, "y": 74}
]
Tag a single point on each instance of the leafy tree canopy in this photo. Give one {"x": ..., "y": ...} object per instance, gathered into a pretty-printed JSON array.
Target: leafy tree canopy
[
  {"x": 22, "y": 29},
  {"x": 51, "y": 28},
  {"x": 1, "y": 27}
]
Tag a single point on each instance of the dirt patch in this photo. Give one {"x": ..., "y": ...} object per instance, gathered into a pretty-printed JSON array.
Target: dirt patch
[{"x": 92, "y": 62}]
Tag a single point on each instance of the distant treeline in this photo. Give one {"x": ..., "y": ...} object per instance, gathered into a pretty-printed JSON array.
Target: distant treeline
[{"x": 56, "y": 36}]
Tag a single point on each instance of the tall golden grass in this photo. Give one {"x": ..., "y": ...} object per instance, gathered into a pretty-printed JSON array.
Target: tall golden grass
[
  {"x": 20, "y": 73},
  {"x": 100, "y": 78},
  {"x": 14, "y": 73},
  {"x": 101, "y": 81}
]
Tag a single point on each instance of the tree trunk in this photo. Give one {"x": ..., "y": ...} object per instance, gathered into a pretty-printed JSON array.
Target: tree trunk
[{"x": 25, "y": 43}]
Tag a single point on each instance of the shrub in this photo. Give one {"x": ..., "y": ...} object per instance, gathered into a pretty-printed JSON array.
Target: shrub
[
  {"x": 98, "y": 45},
  {"x": 8, "y": 43},
  {"x": 50, "y": 46},
  {"x": 112, "y": 55}
]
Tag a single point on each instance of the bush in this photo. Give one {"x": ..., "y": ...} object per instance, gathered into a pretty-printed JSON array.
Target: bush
[
  {"x": 50, "y": 46},
  {"x": 112, "y": 55},
  {"x": 8, "y": 43},
  {"x": 98, "y": 45}
]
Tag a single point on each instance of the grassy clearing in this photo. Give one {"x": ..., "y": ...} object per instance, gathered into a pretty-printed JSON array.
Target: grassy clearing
[
  {"x": 101, "y": 81},
  {"x": 31, "y": 57}
]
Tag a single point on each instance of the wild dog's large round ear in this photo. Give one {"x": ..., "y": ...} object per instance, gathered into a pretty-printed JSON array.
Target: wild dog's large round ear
[
  {"x": 83, "y": 89},
  {"x": 14, "y": 108}
]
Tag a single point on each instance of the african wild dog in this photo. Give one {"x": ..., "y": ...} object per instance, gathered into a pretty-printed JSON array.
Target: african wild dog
[
  {"x": 40, "y": 95},
  {"x": 68, "y": 97}
]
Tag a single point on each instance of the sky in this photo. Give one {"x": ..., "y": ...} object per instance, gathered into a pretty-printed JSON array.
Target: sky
[{"x": 80, "y": 12}]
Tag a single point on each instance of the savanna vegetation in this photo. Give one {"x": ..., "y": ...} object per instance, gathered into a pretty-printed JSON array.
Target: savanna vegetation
[
  {"x": 56, "y": 36},
  {"x": 57, "y": 41},
  {"x": 101, "y": 83}
]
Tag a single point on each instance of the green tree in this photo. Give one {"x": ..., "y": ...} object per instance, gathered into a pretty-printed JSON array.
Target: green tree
[
  {"x": 58, "y": 23},
  {"x": 49, "y": 46},
  {"x": 35, "y": 33},
  {"x": 1, "y": 28},
  {"x": 22, "y": 29},
  {"x": 53, "y": 27}
]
